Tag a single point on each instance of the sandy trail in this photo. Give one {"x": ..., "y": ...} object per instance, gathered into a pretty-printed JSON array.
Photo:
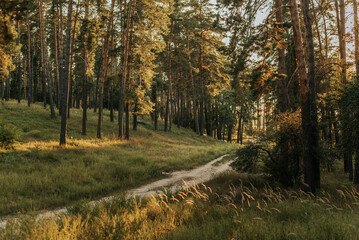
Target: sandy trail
[{"x": 173, "y": 183}]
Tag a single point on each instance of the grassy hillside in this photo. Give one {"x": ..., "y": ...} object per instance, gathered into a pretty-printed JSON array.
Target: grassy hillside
[{"x": 38, "y": 174}]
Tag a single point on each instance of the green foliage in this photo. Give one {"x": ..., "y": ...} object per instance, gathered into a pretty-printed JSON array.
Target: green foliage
[
  {"x": 282, "y": 161},
  {"x": 8, "y": 136},
  {"x": 329, "y": 155},
  {"x": 248, "y": 158}
]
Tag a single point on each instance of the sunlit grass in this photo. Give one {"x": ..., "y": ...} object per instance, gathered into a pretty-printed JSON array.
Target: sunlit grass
[
  {"x": 39, "y": 174},
  {"x": 244, "y": 210}
]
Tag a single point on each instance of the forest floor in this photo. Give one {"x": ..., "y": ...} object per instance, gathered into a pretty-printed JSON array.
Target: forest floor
[
  {"x": 230, "y": 206},
  {"x": 39, "y": 174},
  {"x": 174, "y": 182}
]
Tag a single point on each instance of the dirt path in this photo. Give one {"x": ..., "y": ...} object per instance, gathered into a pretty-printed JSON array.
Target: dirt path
[{"x": 173, "y": 183}]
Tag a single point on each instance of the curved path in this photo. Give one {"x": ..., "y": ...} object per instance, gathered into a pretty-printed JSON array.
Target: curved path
[{"x": 173, "y": 182}]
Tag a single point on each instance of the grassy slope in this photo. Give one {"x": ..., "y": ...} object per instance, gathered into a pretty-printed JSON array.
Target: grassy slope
[{"x": 38, "y": 174}]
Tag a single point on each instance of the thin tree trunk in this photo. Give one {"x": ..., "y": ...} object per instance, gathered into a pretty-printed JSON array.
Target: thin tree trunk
[
  {"x": 356, "y": 47},
  {"x": 71, "y": 58},
  {"x": 24, "y": 76},
  {"x": 18, "y": 74},
  {"x": 29, "y": 99},
  {"x": 239, "y": 125},
  {"x": 42, "y": 49},
  {"x": 356, "y": 36},
  {"x": 193, "y": 90},
  {"x": 97, "y": 82},
  {"x": 65, "y": 89},
  {"x": 201, "y": 118},
  {"x": 166, "y": 113},
  {"x": 84, "y": 88},
  {"x": 57, "y": 71},
  {"x": 7, "y": 87},
  {"x": 61, "y": 60},
  {"x": 1, "y": 90},
  {"x": 124, "y": 68},
  {"x": 104, "y": 69},
  {"x": 169, "y": 116},
  {"x": 135, "y": 117},
  {"x": 45, "y": 62}
]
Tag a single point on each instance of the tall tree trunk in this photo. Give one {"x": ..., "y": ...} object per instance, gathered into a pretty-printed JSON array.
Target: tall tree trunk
[
  {"x": 313, "y": 133},
  {"x": 24, "y": 76},
  {"x": 29, "y": 99},
  {"x": 71, "y": 57},
  {"x": 42, "y": 48},
  {"x": 34, "y": 72},
  {"x": 201, "y": 113},
  {"x": 18, "y": 74},
  {"x": 57, "y": 71},
  {"x": 104, "y": 69},
  {"x": 170, "y": 101},
  {"x": 84, "y": 88},
  {"x": 45, "y": 62},
  {"x": 356, "y": 47},
  {"x": 97, "y": 81},
  {"x": 124, "y": 68},
  {"x": 347, "y": 135},
  {"x": 356, "y": 36},
  {"x": 194, "y": 99},
  {"x": 309, "y": 152},
  {"x": 61, "y": 60},
  {"x": 65, "y": 88}
]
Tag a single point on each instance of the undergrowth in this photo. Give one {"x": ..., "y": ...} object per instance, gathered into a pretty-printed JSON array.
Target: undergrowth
[{"x": 245, "y": 211}]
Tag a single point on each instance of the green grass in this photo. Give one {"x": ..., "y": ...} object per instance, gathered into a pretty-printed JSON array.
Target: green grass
[
  {"x": 275, "y": 213},
  {"x": 249, "y": 208},
  {"x": 39, "y": 175}
]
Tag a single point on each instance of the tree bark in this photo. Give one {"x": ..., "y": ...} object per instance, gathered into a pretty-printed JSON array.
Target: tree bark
[
  {"x": 313, "y": 134},
  {"x": 71, "y": 57},
  {"x": 84, "y": 88},
  {"x": 123, "y": 76},
  {"x": 194, "y": 99},
  {"x": 29, "y": 99},
  {"x": 356, "y": 36},
  {"x": 154, "y": 100},
  {"x": 104, "y": 69},
  {"x": 65, "y": 88},
  {"x": 61, "y": 59},
  {"x": 308, "y": 151},
  {"x": 45, "y": 62}
]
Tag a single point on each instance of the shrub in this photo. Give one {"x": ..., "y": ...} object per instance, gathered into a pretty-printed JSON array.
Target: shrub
[
  {"x": 247, "y": 159},
  {"x": 282, "y": 161},
  {"x": 8, "y": 137}
]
